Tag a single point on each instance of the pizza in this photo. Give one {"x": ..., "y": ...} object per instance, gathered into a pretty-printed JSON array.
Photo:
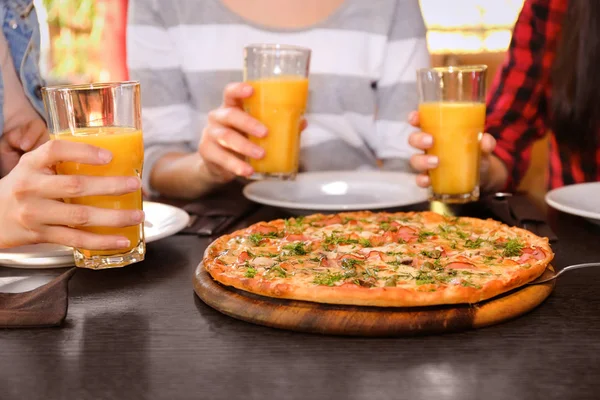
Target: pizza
[{"x": 379, "y": 259}]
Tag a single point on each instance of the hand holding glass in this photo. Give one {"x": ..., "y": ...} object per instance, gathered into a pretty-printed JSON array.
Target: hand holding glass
[
  {"x": 452, "y": 110},
  {"x": 107, "y": 116},
  {"x": 279, "y": 77}
]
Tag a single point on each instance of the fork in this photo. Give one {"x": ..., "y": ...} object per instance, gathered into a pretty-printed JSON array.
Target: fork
[{"x": 565, "y": 269}]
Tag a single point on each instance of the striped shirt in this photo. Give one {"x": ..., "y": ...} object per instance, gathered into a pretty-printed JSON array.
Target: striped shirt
[{"x": 362, "y": 76}]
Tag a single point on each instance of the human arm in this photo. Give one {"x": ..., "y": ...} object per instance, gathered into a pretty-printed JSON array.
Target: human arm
[
  {"x": 172, "y": 167},
  {"x": 517, "y": 107},
  {"x": 396, "y": 91}
]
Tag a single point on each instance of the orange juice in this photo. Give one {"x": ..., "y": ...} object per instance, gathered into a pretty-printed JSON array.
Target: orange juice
[
  {"x": 127, "y": 147},
  {"x": 279, "y": 104},
  {"x": 456, "y": 128}
]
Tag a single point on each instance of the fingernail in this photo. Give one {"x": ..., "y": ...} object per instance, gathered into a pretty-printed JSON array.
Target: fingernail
[
  {"x": 139, "y": 216},
  {"x": 433, "y": 161},
  {"x": 424, "y": 180},
  {"x": 245, "y": 172},
  {"x": 258, "y": 153},
  {"x": 427, "y": 140},
  {"x": 26, "y": 144},
  {"x": 261, "y": 130},
  {"x": 123, "y": 243},
  {"x": 105, "y": 155},
  {"x": 247, "y": 90},
  {"x": 133, "y": 184}
]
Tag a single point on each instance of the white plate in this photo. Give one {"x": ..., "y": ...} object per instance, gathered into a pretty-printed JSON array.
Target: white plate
[
  {"x": 162, "y": 220},
  {"x": 313, "y": 192},
  {"x": 582, "y": 200}
]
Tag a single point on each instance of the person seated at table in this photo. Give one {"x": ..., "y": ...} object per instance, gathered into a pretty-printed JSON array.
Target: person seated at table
[
  {"x": 362, "y": 84},
  {"x": 549, "y": 82},
  {"x": 30, "y": 209}
]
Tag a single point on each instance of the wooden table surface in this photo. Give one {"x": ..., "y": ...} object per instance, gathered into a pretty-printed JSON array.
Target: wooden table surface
[{"x": 141, "y": 333}]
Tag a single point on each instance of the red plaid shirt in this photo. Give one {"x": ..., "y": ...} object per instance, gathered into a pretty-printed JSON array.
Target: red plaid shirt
[{"x": 518, "y": 102}]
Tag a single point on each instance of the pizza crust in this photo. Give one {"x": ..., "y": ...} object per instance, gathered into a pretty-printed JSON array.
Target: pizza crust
[{"x": 352, "y": 294}]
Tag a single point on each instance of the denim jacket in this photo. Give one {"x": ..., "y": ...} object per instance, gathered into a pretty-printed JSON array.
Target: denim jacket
[{"x": 20, "y": 27}]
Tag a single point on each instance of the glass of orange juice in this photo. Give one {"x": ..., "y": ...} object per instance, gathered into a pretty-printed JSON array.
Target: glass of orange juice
[
  {"x": 106, "y": 115},
  {"x": 279, "y": 75},
  {"x": 452, "y": 110}
]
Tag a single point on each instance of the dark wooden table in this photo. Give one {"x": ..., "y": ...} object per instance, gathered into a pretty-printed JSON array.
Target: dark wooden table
[{"x": 141, "y": 333}]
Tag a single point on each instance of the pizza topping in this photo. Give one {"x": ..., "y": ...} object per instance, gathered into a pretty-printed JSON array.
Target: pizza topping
[
  {"x": 407, "y": 233},
  {"x": 367, "y": 282},
  {"x": 295, "y": 238},
  {"x": 264, "y": 229},
  {"x": 327, "y": 278},
  {"x": 424, "y": 278},
  {"x": 474, "y": 244},
  {"x": 386, "y": 226},
  {"x": 460, "y": 265},
  {"x": 488, "y": 260},
  {"x": 507, "y": 262},
  {"x": 263, "y": 261},
  {"x": 392, "y": 281},
  {"x": 364, "y": 242},
  {"x": 424, "y": 235},
  {"x": 257, "y": 238},
  {"x": 376, "y": 240},
  {"x": 467, "y": 283},
  {"x": 350, "y": 266},
  {"x": 333, "y": 220},
  {"x": 531, "y": 252},
  {"x": 382, "y": 217},
  {"x": 431, "y": 253},
  {"x": 400, "y": 261},
  {"x": 375, "y": 255},
  {"x": 435, "y": 266},
  {"x": 336, "y": 240},
  {"x": 445, "y": 231},
  {"x": 351, "y": 262},
  {"x": 250, "y": 272},
  {"x": 244, "y": 256},
  {"x": 276, "y": 271},
  {"x": 324, "y": 262},
  {"x": 512, "y": 248},
  {"x": 294, "y": 224},
  {"x": 296, "y": 249},
  {"x": 461, "y": 234}
]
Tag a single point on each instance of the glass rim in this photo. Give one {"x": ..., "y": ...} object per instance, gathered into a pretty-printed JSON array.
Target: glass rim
[
  {"x": 455, "y": 68},
  {"x": 277, "y": 46},
  {"x": 89, "y": 86}
]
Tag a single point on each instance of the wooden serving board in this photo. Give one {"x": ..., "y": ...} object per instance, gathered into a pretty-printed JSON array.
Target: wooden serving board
[{"x": 304, "y": 316}]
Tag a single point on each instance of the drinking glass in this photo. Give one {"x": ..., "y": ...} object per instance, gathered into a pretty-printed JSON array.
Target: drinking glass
[
  {"x": 452, "y": 110},
  {"x": 106, "y": 115},
  {"x": 279, "y": 75}
]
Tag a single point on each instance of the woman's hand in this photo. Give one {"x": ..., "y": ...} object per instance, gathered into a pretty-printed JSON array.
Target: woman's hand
[
  {"x": 15, "y": 143},
  {"x": 31, "y": 210},
  {"x": 224, "y": 144},
  {"x": 423, "y": 162}
]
